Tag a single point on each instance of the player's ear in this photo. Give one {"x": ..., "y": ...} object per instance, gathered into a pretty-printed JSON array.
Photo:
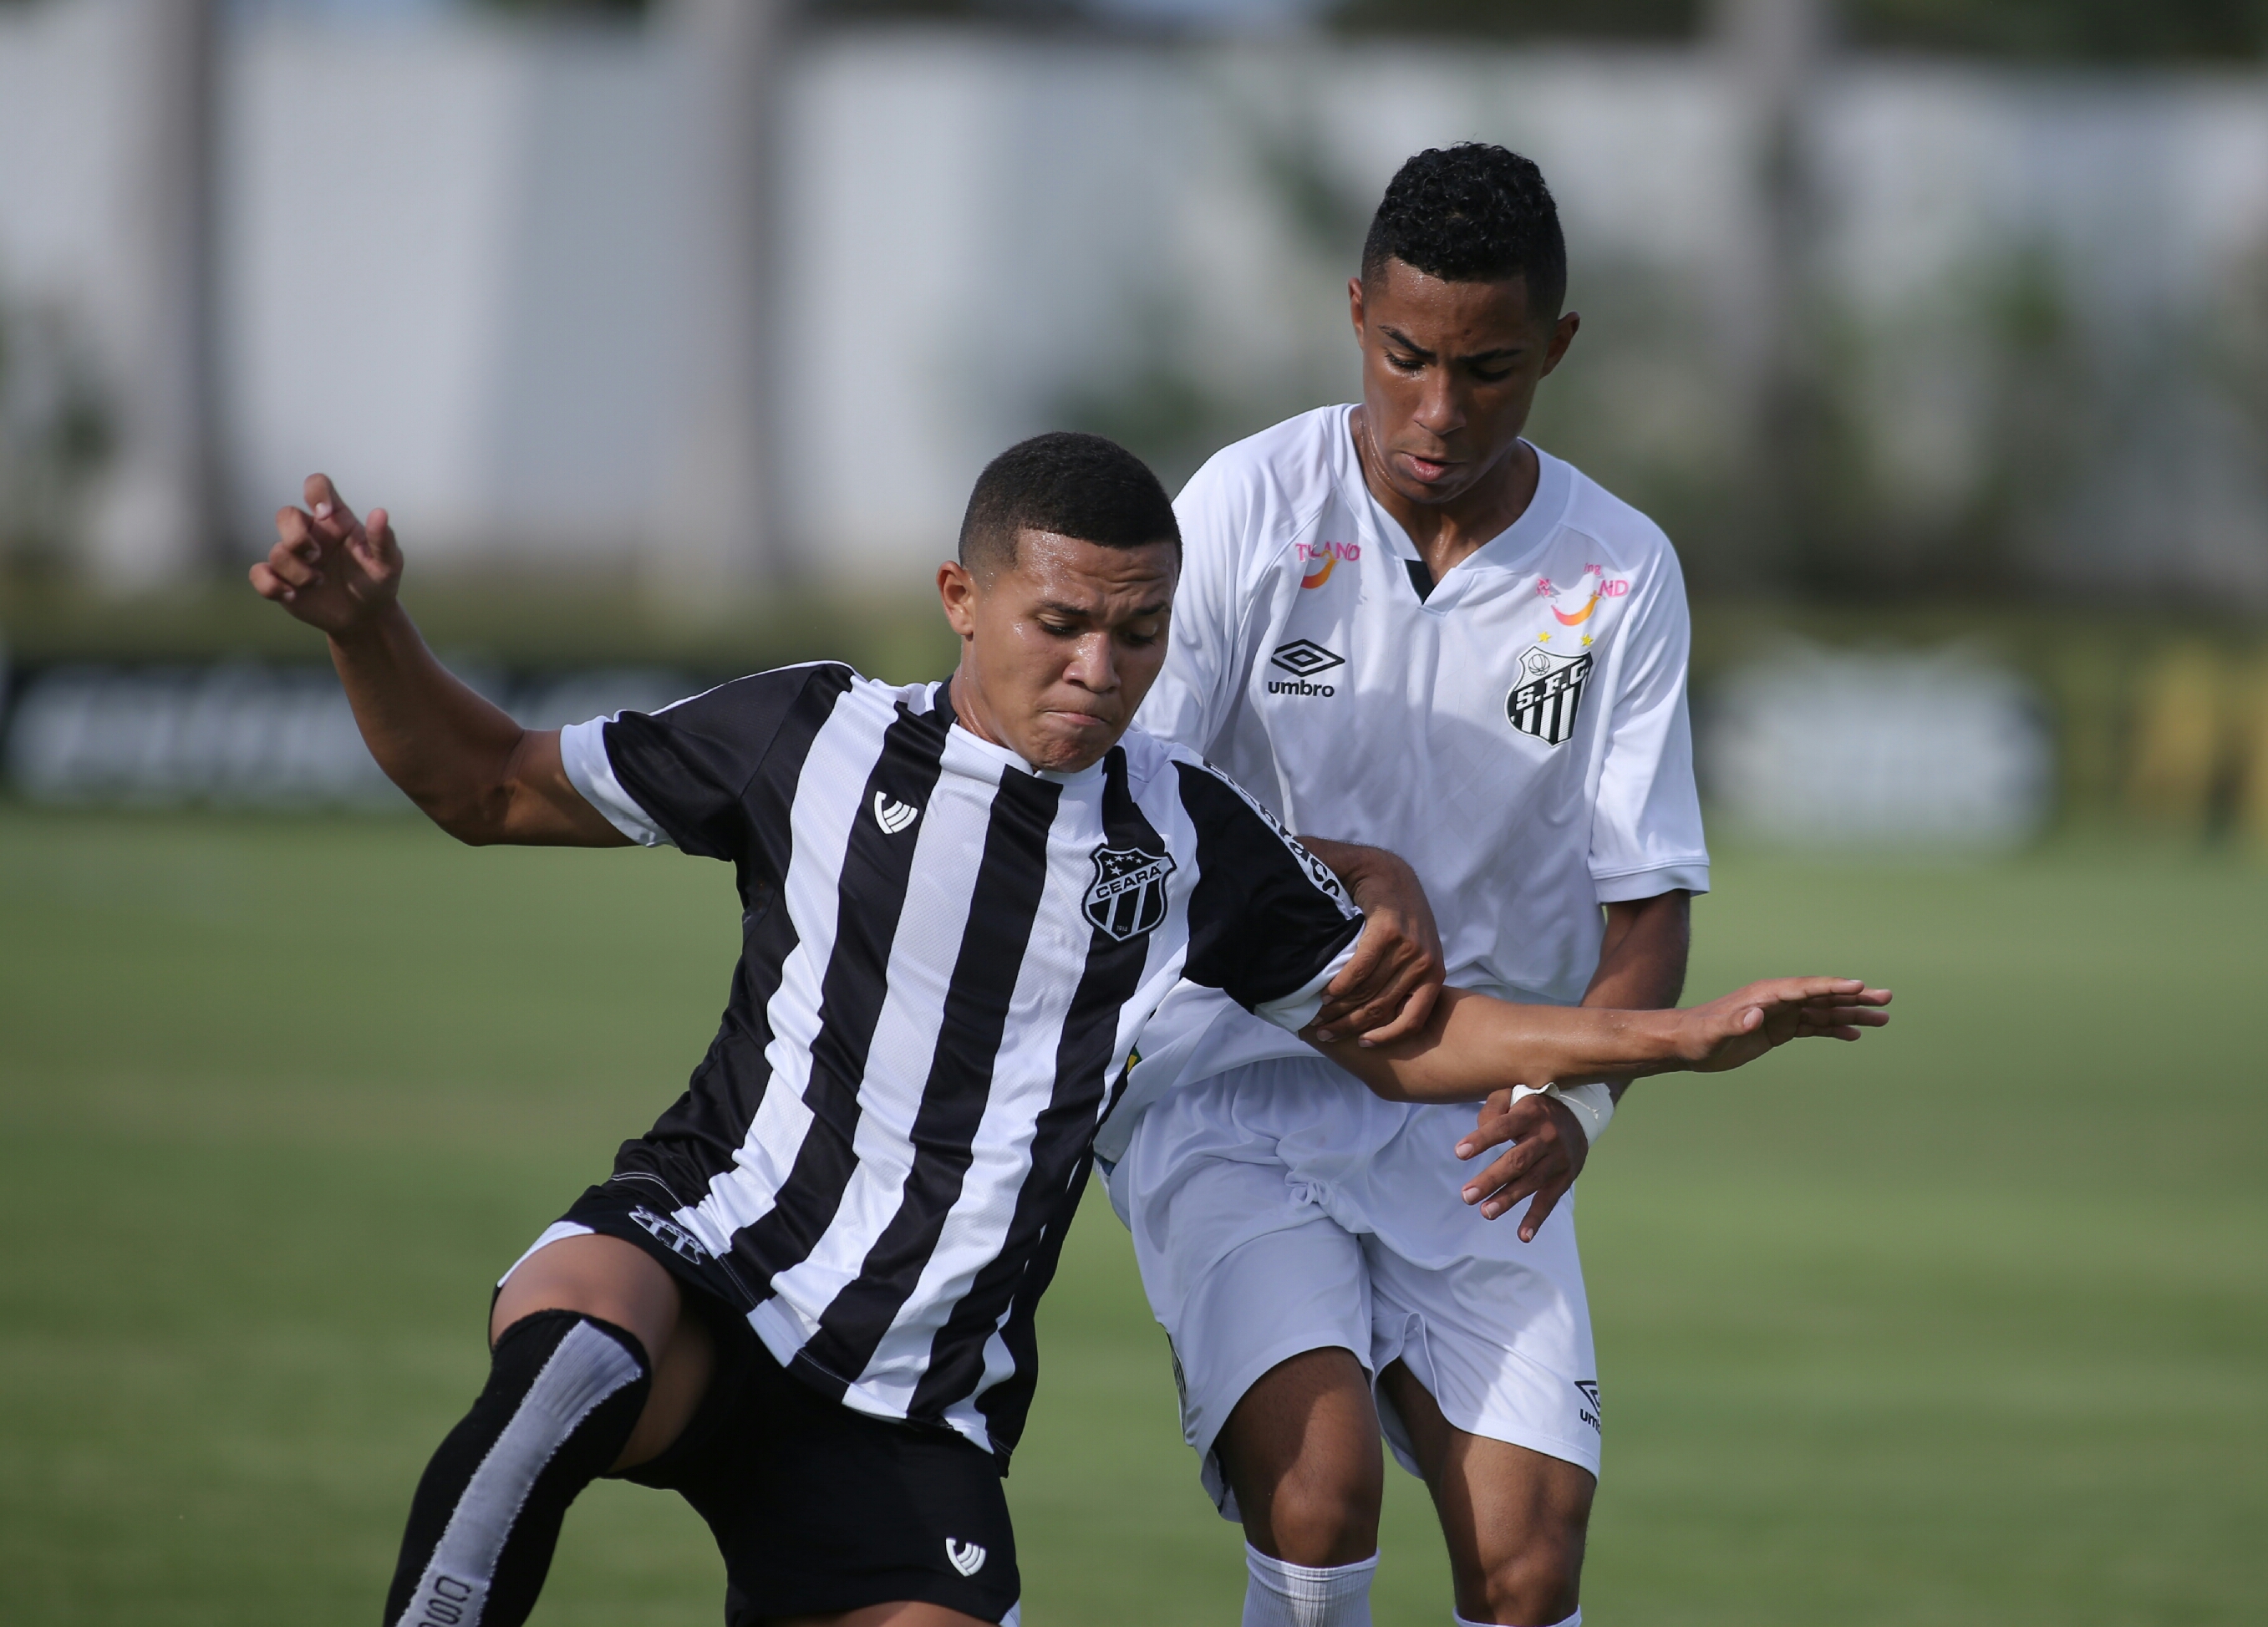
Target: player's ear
[
  {"x": 958, "y": 590},
  {"x": 1563, "y": 335},
  {"x": 1354, "y": 306}
]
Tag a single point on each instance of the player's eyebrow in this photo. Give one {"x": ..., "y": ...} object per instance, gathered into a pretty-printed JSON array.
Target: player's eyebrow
[
  {"x": 1405, "y": 342},
  {"x": 1502, "y": 353},
  {"x": 1085, "y": 613}
]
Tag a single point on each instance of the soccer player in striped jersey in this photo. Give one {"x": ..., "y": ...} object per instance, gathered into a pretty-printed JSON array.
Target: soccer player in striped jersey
[
  {"x": 804, "y": 1299},
  {"x": 1400, "y": 623}
]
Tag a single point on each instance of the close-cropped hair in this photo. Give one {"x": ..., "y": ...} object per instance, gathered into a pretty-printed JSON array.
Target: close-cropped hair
[
  {"x": 1074, "y": 485},
  {"x": 1471, "y": 213}
]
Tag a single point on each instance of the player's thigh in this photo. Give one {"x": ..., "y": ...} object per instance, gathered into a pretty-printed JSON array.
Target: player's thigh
[
  {"x": 1514, "y": 1519},
  {"x": 1301, "y": 1450},
  {"x": 617, "y": 1282},
  {"x": 1244, "y": 1313}
]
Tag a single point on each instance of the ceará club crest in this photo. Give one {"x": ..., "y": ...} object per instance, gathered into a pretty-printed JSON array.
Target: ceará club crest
[{"x": 1127, "y": 897}]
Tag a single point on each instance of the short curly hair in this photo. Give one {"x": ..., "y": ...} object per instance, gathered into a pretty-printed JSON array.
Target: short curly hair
[
  {"x": 1074, "y": 485},
  {"x": 1471, "y": 213}
]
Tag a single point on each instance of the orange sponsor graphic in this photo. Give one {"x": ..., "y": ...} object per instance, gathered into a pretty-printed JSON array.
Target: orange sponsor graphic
[
  {"x": 1318, "y": 560},
  {"x": 1595, "y": 586}
]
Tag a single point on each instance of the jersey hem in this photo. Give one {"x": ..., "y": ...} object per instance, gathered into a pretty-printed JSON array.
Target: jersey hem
[
  {"x": 583, "y": 754},
  {"x": 1629, "y": 886}
]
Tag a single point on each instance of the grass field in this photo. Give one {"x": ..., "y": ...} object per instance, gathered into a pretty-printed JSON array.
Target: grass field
[{"x": 1966, "y": 1325}]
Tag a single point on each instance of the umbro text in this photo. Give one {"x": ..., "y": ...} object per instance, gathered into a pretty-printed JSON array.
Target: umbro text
[{"x": 1298, "y": 686}]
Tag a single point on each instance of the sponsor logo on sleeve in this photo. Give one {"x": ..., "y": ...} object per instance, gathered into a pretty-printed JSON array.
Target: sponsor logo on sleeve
[
  {"x": 1544, "y": 700},
  {"x": 1304, "y": 659},
  {"x": 1127, "y": 897}
]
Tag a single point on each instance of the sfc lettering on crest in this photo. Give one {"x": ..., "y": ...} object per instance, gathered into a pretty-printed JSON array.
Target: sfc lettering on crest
[
  {"x": 1544, "y": 701},
  {"x": 1128, "y": 895}
]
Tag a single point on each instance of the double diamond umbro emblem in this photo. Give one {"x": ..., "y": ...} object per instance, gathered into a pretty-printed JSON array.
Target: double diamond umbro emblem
[
  {"x": 893, "y": 816},
  {"x": 1303, "y": 659},
  {"x": 966, "y": 1558}
]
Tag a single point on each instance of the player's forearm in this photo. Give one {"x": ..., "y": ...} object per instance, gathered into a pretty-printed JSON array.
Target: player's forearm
[
  {"x": 451, "y": 752},
  {"x": 1642, "y": 959},
  {"x": 1473, "y": 1045}
]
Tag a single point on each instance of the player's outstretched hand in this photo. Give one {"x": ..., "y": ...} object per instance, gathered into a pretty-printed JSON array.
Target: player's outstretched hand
[
  {"x": 1741, "y": 1026},
  {"x": 1547, "y": 1151},
  {"x": 328, "y": 569}
]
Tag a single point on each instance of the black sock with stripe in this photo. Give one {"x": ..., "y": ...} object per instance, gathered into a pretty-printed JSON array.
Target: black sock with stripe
[{"x": 564, "y": 1391}]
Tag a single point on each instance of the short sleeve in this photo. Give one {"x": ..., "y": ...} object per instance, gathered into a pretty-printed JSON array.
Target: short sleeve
[
  {"x": 1190, "y": 701},
  {"x": 1270, "y": 925},
  {"x": 681, "y": 774},
  {"x": 1646, "y": 822}
]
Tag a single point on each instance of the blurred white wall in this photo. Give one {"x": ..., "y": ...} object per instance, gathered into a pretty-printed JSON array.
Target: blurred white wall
[{"x": 453, "y": 258}]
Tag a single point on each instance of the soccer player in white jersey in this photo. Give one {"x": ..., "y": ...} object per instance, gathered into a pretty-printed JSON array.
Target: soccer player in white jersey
[
  {"x": 804, "y": 1299},
  {"x": 1401, "y": 624}
]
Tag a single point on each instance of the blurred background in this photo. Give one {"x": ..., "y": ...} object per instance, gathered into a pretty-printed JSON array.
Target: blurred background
[{"x": 1934, "y": 331}]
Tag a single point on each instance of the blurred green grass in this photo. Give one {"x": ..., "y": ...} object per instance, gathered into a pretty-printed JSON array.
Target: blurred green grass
[{"x": 1968, "y": 1324}]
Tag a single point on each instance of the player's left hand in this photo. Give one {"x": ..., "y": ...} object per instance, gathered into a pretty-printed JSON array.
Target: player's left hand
[
  {"x": 1547, "y": 1153},
  {"x": 1388, "y": 988},
  {"x": 1737, "y": 1028}
]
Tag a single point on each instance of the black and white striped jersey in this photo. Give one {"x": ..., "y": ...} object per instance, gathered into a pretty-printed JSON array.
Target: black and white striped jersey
[{"x": 947, "y": 957}]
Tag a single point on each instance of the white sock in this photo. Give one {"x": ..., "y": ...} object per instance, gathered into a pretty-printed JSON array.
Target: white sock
[
  {"x": 1576, "y": 1620},
  {"x": 1277, "y": 1594}
]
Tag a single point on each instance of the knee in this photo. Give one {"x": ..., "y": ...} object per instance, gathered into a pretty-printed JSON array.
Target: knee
[
  {"x": 1322, "y": 1522},
  {"x": 1535, "y": 1588}
]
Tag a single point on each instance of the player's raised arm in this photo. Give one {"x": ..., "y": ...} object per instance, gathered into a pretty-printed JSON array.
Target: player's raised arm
[
  {"x": 475, "y": 773},
  {"x": 1472, "y": 1045}
]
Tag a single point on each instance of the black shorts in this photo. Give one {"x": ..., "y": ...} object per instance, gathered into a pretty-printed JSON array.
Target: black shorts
[{"x": 817, "y": 1508}]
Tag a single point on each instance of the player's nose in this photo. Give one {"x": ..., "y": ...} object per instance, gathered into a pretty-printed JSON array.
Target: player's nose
[{"x": 1093, "y": 666}]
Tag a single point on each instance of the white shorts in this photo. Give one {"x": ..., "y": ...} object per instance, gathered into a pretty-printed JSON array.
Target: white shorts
[{"x": 1280, "y": 1207}]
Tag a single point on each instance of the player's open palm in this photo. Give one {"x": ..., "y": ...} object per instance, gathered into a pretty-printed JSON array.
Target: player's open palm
[
  {"x": 328, "y": 568},
  {"x": 1741, "y": 1026}
]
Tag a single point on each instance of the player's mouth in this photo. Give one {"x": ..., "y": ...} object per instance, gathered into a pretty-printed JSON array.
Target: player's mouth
[
  {"x": 1081, "y": 720},
  {"x": 1425, "y": 470}
]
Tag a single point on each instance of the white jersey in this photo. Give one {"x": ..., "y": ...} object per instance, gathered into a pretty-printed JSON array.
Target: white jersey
[{"x": 1517, "y": 731}]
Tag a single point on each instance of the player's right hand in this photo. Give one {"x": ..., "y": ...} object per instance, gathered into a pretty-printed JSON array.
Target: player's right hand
[
  {"x": 328, "y": 569},
  {"x": 1741, "y": 1026}
]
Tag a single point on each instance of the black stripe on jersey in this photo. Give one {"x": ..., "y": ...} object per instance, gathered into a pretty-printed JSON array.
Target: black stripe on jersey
[
  {"x": 870, "y": 894},
  {"x": 1010, "y": 880},
  {"x": 1264, "y": 917},
  {"x": 1061, "y": 1142},
  {"x": 696, "y": 1140}
]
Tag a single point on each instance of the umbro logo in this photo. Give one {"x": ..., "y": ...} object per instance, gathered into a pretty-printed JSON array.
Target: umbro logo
[
  {"x": 966, "y": 1558},
  {"x": 1303, "y": 659},
  {"x": 893, "y": 816},
  {"x": 1588, "y": 1409},
  {"x": 670, "y": 1236}
]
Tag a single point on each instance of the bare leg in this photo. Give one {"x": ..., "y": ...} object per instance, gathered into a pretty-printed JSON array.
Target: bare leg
[
  {"x": 1301, "y": 1450},
  {"x": 1514, "y": 1519},
  {"x": 619, "y": 1282}
]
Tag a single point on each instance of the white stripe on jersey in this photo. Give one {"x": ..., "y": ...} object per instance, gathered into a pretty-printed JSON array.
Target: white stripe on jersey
[{"x": 938, "y": 901}]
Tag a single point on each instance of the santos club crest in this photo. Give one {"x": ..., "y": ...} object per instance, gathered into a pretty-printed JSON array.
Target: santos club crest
[
  {"x": 1128, "y": 895},
  {"x": 1550, "y": 687}
]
